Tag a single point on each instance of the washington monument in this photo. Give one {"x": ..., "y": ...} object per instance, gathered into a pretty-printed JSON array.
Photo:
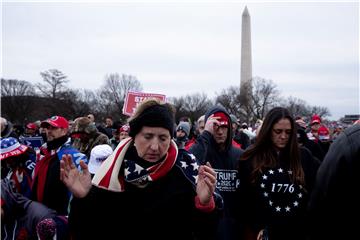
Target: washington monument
[{"x": 246, "y": 64}]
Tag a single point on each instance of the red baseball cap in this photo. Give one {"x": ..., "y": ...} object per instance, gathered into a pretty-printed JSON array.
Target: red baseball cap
[
  {"x": 124, "y": 128},
  {"x": 31, "y": 126},
  {"x": 315, "y": 119},
  {"x": 222, "y": 118},
  {"x": 56, "y": 121},
  {"x": 324, "y": 133}
]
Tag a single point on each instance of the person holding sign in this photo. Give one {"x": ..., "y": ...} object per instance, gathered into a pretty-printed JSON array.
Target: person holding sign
[
  {"x": 276, "y": 179},
  {"x": 146, "y": 187}
]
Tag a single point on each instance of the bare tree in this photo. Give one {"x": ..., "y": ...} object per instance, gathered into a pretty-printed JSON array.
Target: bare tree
[
  {"x": 74, "y": 103},
  {"x": 90, "y": 98},
  {"x": 192, "y": 106},
  {"x": 14, "y": 87},
  {"x": 230, "y": 99},
  {"x": 112, "y": 95},
  {"x": 321, "y": 111},
  {"x": 16, "y": 100},
  {"x": 55, "y": 82},
  {"x": 297, "y": 107},
  {"x": 179, "y": 105},
  {"x": 196, "y": 105},
  {"x": 264, "y": 97}
]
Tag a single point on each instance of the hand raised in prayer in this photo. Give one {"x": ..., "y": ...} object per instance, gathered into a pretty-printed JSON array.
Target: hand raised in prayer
[
  {"x": 206, "y": 183},
  {"x": 78, "y": 182},
  {"x": 211, "y": 123}
]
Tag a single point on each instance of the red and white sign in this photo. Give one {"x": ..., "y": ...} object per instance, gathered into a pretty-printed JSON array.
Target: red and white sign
[{"x": 133, "y": 99}]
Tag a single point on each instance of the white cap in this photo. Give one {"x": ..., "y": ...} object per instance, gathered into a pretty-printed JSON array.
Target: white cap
[{"x": 98, "y": 154}]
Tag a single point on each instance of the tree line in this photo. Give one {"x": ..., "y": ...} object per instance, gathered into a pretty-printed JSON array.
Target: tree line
[{"x": 23, "y": 102}]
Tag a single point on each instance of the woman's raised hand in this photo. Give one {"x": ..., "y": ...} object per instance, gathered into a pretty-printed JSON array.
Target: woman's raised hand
[{"x": 78, "y": 182}]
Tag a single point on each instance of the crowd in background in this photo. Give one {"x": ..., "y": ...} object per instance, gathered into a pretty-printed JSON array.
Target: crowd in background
[{"x": 270, "y": 177}]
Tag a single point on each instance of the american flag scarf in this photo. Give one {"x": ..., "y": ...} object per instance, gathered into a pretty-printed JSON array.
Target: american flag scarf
[{"x": 108, "y": 176}]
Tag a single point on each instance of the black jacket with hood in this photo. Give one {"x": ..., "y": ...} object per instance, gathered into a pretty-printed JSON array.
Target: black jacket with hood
[{"x": 225, "y": 163}]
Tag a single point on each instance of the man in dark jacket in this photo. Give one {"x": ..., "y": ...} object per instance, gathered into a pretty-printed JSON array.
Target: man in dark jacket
[
  {"x": 47, "y": 186},
  {"x": 215, "y": 146},
  {"x": 334, "y": 203}
]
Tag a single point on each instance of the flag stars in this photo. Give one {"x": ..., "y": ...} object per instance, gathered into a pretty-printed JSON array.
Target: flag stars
[
  {"x": 296, "y": 203},
  {"x": 280, "y": 170},
  {"x": 264, "y": 177},
  {"x": 300, "y": 195},
  {"x": 271, "y": 203},
  {"x": 183, "y": 164},
  {"x": 289, "y": 172},
  {"x": 278, "y": 209},
  {"x": 271, "y": 171},
  {"x": 127, "y": 172},
  {"x": 266, "y": 194},
  {"x": 262, "y": 185},
  {"x": 287, "y": 209},
  {"x": 192, "y": 156},
  {"x": 138, "y": 169},
  {"x": 195, "y": 166}
]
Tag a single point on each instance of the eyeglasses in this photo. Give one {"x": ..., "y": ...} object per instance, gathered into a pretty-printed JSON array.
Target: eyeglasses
[{"x": 217, "y": 127}]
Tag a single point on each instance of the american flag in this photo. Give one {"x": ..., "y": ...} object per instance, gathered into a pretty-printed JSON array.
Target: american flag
[{"x": 134, "y": 173}]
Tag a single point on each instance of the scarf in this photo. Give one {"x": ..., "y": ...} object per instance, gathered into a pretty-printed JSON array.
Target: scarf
[
  {"x": 108, "y": 176},
  {"x": 42, "y": 165},
  {"x": 40, "y": 173},
  {"x": 57, "y": 147}
]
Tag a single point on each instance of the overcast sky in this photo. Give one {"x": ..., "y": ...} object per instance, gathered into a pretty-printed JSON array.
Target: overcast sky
[{"x": 309, "y": 50}]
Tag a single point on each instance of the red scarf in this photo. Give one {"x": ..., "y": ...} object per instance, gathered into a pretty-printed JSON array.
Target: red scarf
[
  {"x": 40, "y": 173},
  {"x": 108, "y": 176}
]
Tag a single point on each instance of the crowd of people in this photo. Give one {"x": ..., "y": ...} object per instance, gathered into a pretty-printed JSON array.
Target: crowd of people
[{"x": 286, "y": 177}]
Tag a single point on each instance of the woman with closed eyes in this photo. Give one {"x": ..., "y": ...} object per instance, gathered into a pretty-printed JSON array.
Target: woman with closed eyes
[{"x": 276, "y": 178}]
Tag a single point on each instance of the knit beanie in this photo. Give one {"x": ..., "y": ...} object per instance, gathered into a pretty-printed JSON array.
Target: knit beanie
[
  {"x": 153, "y": 116},
  {"x": 185, "y": 126},
  {"x": 46, "y": 229},
  {"x": 56, "y": 226}
]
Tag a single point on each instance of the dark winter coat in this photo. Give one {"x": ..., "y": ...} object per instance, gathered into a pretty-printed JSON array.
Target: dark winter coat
[
  {"x": 225, "y": 163},
  {"x": 162, "y": 207},
  {"x": 334, "y": 204},
  {"x": 21, "y": 215},
  {"x": 47, "y": 186}
]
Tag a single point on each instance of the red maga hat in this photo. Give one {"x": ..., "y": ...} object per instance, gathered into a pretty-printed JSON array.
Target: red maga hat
[
  {"x": 222, "y": 118},
  {"x": 56, "y": 121}
]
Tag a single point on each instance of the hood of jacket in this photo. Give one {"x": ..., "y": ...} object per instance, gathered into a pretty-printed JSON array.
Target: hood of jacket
[{"x": 219, "y": 108}]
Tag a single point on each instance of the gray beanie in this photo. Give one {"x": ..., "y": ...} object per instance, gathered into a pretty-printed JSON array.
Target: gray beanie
[
  {"x": 185, "y": 126},
  {"x": 234, "y": 119}
]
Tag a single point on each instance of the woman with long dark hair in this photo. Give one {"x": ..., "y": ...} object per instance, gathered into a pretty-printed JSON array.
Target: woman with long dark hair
[{"x": 276, "y": 178}]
